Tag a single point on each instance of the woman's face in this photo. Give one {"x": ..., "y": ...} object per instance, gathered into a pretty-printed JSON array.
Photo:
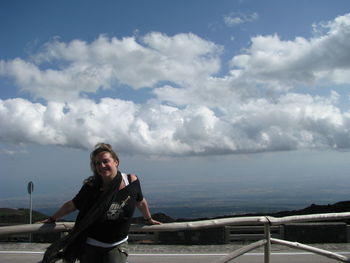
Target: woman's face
[{"x": 106, "y": 166}]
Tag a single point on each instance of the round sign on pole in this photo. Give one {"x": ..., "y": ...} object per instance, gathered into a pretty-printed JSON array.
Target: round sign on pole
[{"x": 30, "y": 187}]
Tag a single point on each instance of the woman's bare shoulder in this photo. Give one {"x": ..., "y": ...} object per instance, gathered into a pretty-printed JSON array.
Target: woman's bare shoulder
[{"x": 133, "y": 177}]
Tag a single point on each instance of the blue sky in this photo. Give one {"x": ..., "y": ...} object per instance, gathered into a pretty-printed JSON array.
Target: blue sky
[{"x": 247, "y": 94}]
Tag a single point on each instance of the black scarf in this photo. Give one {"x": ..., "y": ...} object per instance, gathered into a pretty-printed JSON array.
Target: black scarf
[{"x": 69, "y": 247}]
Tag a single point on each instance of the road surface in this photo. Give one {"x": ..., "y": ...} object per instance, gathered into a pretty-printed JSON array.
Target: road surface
[{"x": 32, "y": 253}]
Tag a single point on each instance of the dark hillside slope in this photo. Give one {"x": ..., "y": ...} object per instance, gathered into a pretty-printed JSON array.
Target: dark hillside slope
[{"x": 18, "y": 216}]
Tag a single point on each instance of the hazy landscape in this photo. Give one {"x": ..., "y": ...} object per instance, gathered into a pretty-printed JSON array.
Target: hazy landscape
[
  {"x": 210, "y": 210},
  {"x": 232, "y": 191},
  {"x": 187, "y": 204}
]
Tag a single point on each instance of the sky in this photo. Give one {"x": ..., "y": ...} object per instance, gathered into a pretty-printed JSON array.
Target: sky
[{"x": 202, "y": 99}]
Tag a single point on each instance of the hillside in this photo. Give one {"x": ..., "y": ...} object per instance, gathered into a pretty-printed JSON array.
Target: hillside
[{"x": 19, "y": 216}]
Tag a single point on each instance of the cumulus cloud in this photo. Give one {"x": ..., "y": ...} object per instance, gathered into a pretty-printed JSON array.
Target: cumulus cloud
[
  {"x": 196, "y": 110},
  {"x": 283, "y": 65},
  {"x": 294, "y": 121},
  {"x": 63, "y": 71}
]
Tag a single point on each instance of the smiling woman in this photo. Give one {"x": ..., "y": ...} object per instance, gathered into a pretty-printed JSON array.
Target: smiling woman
[{"x": 106, "y": 204}]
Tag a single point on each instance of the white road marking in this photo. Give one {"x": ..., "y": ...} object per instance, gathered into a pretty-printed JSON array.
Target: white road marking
[{"x": 21, "y": 252}]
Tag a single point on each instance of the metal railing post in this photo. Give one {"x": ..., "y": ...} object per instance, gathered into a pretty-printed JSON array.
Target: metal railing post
[
  {"x": 63, "y": 234},
  {"x": 267, "y": 252}
]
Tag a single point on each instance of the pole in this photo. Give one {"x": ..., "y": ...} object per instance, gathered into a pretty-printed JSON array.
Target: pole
[
  {"x": 31, "y": 209},
  {"x": 30, "y": 189},
  {"x": 267, "y": 252}
]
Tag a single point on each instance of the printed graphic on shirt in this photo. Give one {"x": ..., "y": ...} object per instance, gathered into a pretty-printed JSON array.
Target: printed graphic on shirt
[{"x": 115, "y": 209}]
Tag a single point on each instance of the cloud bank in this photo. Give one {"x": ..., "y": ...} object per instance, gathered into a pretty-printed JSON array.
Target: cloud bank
[{"x": 256, "y": 105}]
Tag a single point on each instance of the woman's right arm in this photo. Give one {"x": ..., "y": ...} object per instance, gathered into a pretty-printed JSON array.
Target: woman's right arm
[{"x": 65, "y": 209}]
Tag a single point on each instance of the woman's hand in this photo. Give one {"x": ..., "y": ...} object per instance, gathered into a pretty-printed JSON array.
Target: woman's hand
[
  {"x": 151, "y": 221},
  {"x": 48, "y": 220},
  {"x": 143, "y": 207}
]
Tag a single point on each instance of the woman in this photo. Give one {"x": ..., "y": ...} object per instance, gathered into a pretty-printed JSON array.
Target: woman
[{"x": 106, "y": 203}]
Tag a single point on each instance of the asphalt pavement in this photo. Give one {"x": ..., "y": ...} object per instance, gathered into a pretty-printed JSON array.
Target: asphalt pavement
[{"x": 149, "y": 253}]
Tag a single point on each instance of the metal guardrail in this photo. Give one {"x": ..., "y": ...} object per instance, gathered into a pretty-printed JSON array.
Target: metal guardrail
[{"x": 266, "y": 221}]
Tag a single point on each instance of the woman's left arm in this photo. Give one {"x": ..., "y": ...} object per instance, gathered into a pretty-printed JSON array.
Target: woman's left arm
[{"x": 144, "y": 209}]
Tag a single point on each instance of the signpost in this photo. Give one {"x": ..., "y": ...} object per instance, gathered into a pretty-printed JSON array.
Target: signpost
[{"x": 30, "y": 188}]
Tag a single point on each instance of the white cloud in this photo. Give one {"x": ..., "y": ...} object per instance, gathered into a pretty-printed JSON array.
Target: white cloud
[
  {"x": 234, "y": 19},
  {"x": 195, "y": 110},
  {"x": 294, "y": 121},
  {"x": 283, "y": 65},
  {"x": 63, "y": 71}
]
